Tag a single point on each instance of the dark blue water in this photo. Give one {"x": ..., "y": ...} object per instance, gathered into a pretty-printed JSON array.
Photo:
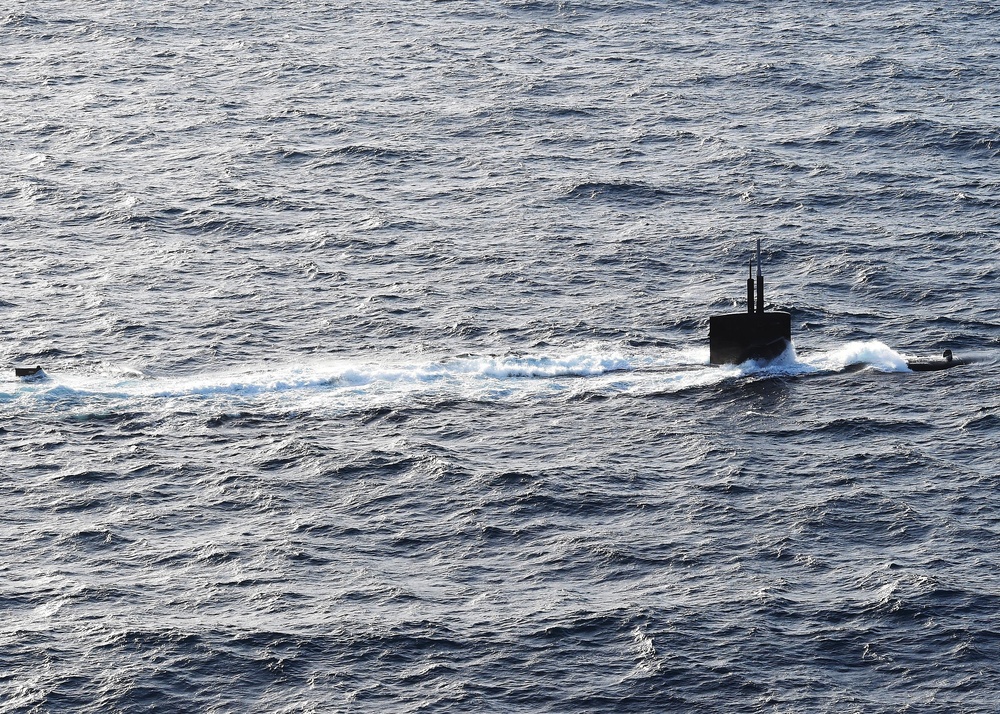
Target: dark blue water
[{"x": 377, "y": 367}]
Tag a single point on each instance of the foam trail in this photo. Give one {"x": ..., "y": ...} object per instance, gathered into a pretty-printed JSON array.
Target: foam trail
[
  {"x": 339, "y": 374},
  {"x": 343, "y": 382}
]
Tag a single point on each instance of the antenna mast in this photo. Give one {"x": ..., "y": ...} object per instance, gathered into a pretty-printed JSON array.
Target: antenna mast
[{"x": 760, "y": 283}]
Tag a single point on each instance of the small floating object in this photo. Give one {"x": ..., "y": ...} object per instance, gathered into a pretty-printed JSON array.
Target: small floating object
[
  {"x": 931, "y": 364},
  {"x": 758, "y": 335},
  {"x": 29, "y": 372}
]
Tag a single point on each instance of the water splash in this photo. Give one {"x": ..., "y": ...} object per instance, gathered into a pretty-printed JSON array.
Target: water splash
[{"x": 871, "y": 353}]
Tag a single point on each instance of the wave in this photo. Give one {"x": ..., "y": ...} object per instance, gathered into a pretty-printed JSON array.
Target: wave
[
  {"x": 926, "y": 134},
  {"x": 617, "y": 191}
]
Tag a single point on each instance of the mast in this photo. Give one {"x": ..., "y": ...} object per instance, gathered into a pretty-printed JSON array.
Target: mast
[{"x": 760, "y": 283}]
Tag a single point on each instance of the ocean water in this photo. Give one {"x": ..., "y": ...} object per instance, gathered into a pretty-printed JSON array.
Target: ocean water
[{"x": 376, "y": 358}]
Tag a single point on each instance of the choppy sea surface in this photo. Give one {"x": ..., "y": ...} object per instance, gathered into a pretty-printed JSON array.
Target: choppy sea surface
[{"x": 376, "y": 359}]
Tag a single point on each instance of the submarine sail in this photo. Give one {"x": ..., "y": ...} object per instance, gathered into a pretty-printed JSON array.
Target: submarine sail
[{"x": 755, "y": 334}]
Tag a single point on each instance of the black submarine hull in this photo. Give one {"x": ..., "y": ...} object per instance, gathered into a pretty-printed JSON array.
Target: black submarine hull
[
  {"x": 924, "y": 364},
  {"x": 737, "y": 337}
]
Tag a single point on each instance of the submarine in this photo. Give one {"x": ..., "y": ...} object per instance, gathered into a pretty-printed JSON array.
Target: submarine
[{"x": 763, "y": 335}]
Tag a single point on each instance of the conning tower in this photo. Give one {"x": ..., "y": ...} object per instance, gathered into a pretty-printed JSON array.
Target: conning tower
[{"x": 755, "y": 334}]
